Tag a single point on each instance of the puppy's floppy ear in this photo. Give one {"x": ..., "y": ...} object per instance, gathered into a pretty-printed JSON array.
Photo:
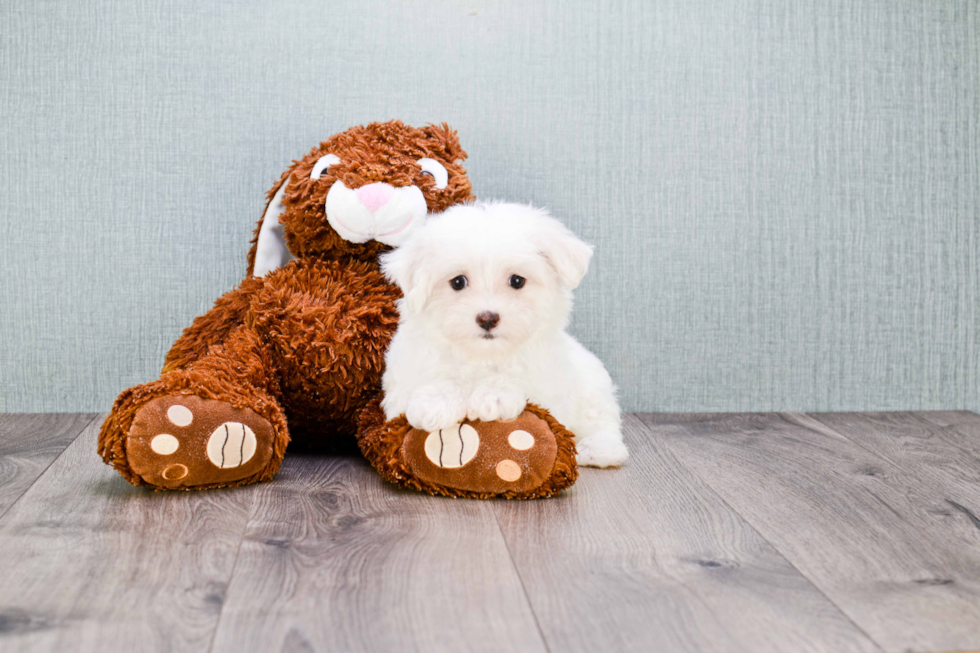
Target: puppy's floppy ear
[
  {"x": 568, "y": 255},
  {"x": 403, "y": 266}
]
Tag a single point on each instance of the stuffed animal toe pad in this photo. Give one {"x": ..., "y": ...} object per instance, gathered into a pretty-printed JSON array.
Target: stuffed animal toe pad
[{"x": 530, "y": 457}]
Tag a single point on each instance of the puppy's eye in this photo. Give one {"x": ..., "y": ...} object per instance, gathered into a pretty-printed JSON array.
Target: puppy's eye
[
  {"x": 458, "y": 283},
  {"x": 517, "y": 281}
]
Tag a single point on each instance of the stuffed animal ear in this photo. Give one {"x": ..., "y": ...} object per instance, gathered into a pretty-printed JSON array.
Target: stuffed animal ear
[
  {"x": 447, "y": 141},
  {"x": 270, "y": 248},
  {"x": 403, "y": 267},
  {"x": 566, "y": 253}
]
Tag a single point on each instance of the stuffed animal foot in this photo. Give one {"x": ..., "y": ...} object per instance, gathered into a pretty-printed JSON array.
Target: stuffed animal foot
[
  {"x": 530, "y": 457},
  {"x": 184, "y": 442}
]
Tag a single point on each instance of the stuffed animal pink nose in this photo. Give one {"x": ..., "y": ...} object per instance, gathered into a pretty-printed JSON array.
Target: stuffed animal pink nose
[{"x": 374, "y": 196}]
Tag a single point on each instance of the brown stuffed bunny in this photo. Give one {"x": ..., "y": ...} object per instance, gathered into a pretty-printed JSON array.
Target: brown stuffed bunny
[{"x": 302, "y": 341}]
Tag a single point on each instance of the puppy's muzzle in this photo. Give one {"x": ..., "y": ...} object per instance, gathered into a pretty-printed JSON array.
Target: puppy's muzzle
[{"x": 488, "y": 320}]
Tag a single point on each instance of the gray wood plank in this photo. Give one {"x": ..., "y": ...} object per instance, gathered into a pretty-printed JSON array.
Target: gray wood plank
[
  {"x": 335, "y": 559},
  {"x": 648, "y": 558},
  {"x": 944, "y": 455},
  {"x": 872, "y": 537},
  {"x": 91, "y": 563},
  {"x": 950, "y": 417},
  {"x": 28, "y": 444}
]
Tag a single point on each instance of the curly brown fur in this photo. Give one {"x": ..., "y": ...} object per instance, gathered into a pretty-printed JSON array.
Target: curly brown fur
[
  {"x": 238, "y": 371},
  {"x": 211, "y": 328},
  {"x": 376, "y": 152},
  {"x": 312, "y": 337},
  {"x": 328, "y": 324},
  {"x": 305, "y": 343},
  {"x": 381, "y": 442}
]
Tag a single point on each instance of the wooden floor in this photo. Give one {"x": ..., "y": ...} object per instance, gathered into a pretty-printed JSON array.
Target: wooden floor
[{"x": 749, "y": 532}]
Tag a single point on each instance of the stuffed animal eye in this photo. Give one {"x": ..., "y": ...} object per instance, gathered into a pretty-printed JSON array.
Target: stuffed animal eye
[
  {"x": 322, "y": 164},
  {"x": 458, "y": 283},
  {"x": 435, "y": 170},
  {"x": 517, "y": 281}
]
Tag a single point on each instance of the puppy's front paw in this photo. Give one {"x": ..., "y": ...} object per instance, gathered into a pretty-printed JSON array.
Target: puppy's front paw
[
  {"x": 436, "y": 406},
  {"x": 601, "y": 451},
  {"x": 497, "y": 403}
]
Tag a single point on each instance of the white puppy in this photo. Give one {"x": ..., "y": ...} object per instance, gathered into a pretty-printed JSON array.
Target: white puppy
[{"x": 487, "y": 296}]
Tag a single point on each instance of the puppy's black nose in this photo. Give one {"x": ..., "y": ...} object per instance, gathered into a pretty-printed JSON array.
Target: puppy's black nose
[{"x": 487, "y": 320}]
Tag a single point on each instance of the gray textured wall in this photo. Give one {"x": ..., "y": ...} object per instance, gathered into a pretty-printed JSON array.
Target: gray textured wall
[{"x": 785, "y": 195}]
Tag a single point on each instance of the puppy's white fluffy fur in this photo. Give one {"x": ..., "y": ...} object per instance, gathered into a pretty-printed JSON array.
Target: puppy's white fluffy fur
[{"x": 442, "y": 366}]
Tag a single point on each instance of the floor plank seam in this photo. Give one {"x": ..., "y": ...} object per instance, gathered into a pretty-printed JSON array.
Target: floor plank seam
[
  {"x": 527, "y": 597},
  {"x": 234, "y": 568},
  {"x": 857, "y": 443},
  {"x": 750, "y": 524},
  {"x": 931, "y": 484},
  {"x": 892, "y": 494},
  {"x": 877, "y": 454},
  {"x": 82, "y": 430}
]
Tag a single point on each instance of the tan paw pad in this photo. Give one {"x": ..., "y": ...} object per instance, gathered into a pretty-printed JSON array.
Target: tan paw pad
[
  {"x": 175, "y": 472},
  {"x": 180, "y": 415},
  {"x": 508, "y": 471},
  {"x": 231, "y": 445},
  {"x": 164, "y": 444},
  {"x": 453, "y": 447},
  {"x": 520, "y": 440}
]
